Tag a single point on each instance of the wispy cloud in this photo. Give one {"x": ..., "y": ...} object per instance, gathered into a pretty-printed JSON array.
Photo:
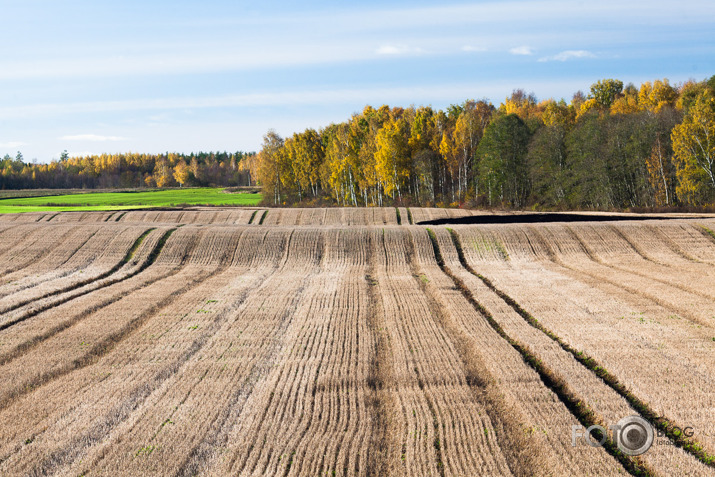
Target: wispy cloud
[
  {"x": 473, "y": 49},
  {"x": 391, "y": 50},
  {"x": 214, "y": 44},
  {"x": 12, "y": 144},
  {"x": 92, "y": 138},
  {"x": 77, "y": 154},
  {"x": 568, "y": 55},
  {"x": 522, "y": 50}
]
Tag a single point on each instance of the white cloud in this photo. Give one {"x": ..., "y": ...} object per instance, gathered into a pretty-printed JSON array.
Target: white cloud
[
  {"x": 92, "y": 138},
  {"x": 388, "y": 50},
  {"x": 397, "y": 50},
  {"x": 568, "y": 55},
  {"x": 471, "y": 49},
  {"x": 12, "y": 144},
  {"x": 522, "y": 50},
  {"x": 77, "y": 154}
]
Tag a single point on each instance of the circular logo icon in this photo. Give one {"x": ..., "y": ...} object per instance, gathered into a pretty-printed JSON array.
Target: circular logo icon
[{"x": 635, "y": 435}]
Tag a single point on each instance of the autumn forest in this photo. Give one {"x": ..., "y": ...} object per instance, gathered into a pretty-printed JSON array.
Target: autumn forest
[{"x": 616, "y": 147}]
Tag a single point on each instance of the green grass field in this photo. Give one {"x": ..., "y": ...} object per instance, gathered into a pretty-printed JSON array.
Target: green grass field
[{"x": 128, "y": 200}]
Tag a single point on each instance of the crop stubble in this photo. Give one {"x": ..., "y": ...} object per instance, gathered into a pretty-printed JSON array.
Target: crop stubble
[{"x": 346, "y": 342}]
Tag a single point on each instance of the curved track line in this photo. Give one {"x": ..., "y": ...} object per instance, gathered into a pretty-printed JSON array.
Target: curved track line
[
  {"x": 663, "y": 423},
  {"x": 552, "y": 380},
  {"x": 143, "y": 390},
  {"x": 24, "y": 347},
  {"x": 479, "y": 380},
  {"x": 45, "y": 280},
  {"x": 37, "y": 254},
  {"x": 153, "y": 255}
]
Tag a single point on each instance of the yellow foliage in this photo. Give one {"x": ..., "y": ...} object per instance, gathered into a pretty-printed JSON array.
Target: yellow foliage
[
  {"x": 658, "y": 95},
  {"x": 586, "y": 106},
  {"x": 521, "y": 104},
  {"x": 694, "y": 147},
  {"x": 181, "y": 172},
  {"x": 392, "y": 155},
  {"x": 625, "y": 105}
]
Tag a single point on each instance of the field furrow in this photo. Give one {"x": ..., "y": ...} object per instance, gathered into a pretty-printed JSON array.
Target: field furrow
[{"x": 141, "y": 255}]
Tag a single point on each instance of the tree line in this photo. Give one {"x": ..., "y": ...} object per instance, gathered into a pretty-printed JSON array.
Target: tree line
[
  {"x": 617, "y": 147},
  {"x": 130, "y": 170}
]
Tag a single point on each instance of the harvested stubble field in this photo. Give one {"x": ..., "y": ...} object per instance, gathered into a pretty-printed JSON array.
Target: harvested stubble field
[{"x": 379, "y": 341}]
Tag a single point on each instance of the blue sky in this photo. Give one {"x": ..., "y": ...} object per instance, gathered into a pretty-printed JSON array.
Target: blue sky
[{"x": 154, "y": 76}]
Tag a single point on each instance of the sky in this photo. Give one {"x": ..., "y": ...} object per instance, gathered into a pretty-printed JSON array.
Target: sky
[{"x": 181, "y": 76}]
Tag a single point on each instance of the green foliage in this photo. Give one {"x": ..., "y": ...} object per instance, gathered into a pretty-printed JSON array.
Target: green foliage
[
  {"x": 501, "y": 159},
  {"x": 546, "y": 161},
  {"x": 610, "y": 163},
  {"x": 605, "y": 91},
  {"x": 586, "y": 177},
  {"x": 128, "y": 200}
]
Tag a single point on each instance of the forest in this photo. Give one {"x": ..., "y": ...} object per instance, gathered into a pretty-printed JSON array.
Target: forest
[
  {"x": 130, "y": 170},
  {"x": 615, "y": 148}
]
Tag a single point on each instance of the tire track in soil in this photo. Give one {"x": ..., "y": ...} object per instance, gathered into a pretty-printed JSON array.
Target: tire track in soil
[
  {"x": 127, "y": 257},
  {"x": 151, "y": 258},
  {"x": 104, "y": 346},
  {"x": 222, "y": 317},
  {"x": 142, "y": 391},
  {"x": 57, "y": 277},
  {"x": 655, "y": 418},
  {"x": 263, "y": 217},
  {"x": 38, "y": 255},
  {"x": 28, "y": 345},
  {"x": 642, "y": 254},
  {"x": 551, "y": 379},
  {"x": 673, "y": 245},
  {"x": 595, "y": 278}
]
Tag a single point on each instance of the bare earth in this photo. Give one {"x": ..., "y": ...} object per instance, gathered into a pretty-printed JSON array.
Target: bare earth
[{"x": 378, "y": 341}]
